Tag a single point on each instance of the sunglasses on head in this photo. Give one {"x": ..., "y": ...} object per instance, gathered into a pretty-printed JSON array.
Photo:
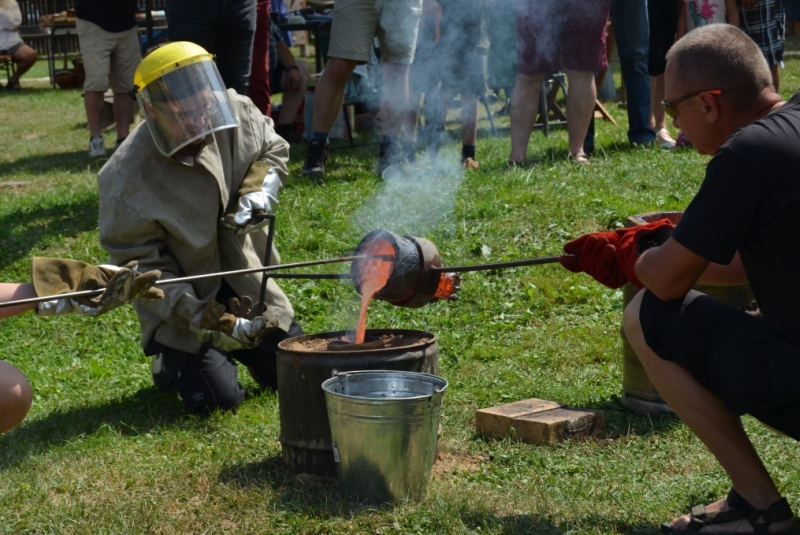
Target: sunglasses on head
[{"x": 669, "y": 105}]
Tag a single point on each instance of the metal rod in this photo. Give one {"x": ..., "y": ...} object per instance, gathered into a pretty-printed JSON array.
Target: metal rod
[
  {"x": 498, "y": 265},
  {"x": 164, "y": 282}
]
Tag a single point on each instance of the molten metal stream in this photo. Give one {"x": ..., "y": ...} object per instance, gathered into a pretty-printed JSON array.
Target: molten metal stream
[{"x": 374, "y": 275}]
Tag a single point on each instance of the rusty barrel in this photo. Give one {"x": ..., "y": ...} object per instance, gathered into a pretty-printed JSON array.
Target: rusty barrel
[
  {"x": 638, "y": 393},
  {"x": 304, "y": 364}
]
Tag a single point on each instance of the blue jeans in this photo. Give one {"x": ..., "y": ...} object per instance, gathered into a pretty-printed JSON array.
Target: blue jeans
[
  {"x": 632, "y": 33},
  {"x": 224, "y": 28}
]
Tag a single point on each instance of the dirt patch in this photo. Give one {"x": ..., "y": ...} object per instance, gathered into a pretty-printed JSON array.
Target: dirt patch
[
  {"x": 389, "y": 341},
  {"x": 454, "y": 463}
]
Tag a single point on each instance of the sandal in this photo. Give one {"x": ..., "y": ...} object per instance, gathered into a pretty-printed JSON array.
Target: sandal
[
  {"x": 579, "y": 159},
  {"x": 740, "y": 509}
]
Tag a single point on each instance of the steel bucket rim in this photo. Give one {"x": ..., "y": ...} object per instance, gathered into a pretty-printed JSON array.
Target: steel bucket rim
[{"x": 435, "y": 378}]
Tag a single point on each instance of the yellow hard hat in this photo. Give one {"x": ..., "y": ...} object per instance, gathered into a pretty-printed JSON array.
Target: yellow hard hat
[{"x": 167, "y": 58}]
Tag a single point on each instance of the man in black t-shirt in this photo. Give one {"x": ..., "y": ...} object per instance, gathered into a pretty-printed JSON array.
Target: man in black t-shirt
[
  {"x": 110, "y": 49},
  {"x": 710, "y": 362}
]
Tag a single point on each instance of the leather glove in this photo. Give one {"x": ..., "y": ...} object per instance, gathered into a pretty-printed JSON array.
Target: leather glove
[
  {"x": 258, "y": 197},
  {"x": 610, "y": 257},
  {"x": 242, "y": 328},
  {"x": 53, "y": 276}
]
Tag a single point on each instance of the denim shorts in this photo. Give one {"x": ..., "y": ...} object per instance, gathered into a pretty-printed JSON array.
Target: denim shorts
[{"x": 738, "y": 357}]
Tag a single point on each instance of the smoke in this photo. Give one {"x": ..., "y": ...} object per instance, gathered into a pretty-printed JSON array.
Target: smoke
[{"x": 414, "y": 199}]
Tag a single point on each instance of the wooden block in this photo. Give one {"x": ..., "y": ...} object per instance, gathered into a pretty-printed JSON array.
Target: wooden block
[
  {"x": 496, "y": 421},
  {"x": 556, "y": 425}
]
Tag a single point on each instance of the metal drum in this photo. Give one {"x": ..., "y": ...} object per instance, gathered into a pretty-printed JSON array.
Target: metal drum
[{"x": 305, "y": 435}]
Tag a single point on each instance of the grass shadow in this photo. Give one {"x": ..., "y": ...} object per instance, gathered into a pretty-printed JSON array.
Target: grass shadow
[
  {"x": 24, "y": 229},
  {"x": 146, "y": 411},
  {"x": 71, "y": 161}
]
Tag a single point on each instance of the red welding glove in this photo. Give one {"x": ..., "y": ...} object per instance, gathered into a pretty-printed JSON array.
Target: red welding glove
[{"x": 610, "y": 257}]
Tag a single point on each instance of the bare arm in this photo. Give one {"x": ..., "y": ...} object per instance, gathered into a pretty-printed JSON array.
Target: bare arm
[
  {"x": 671, "y": 270},
  {"x": 287, "y": 60},
  {"x": 14, "y": 292}
]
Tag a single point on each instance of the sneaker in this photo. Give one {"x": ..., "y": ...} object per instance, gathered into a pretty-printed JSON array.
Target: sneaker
[
  {"x": 159, "y": 373},
  {"x": 97, "y": 147},
  {"x": 316, "y": 158}
]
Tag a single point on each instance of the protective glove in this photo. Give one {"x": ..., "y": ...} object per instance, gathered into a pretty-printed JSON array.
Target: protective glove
[
  {"x": 610, "y": 257},
  {"x": 241, "y": 328},
  {"x": 53, "y": 276},
  {"x": 258, "y": 197}
]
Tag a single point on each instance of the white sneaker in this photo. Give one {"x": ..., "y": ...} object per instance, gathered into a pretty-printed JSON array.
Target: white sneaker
[{"x": 97, "y": 147}]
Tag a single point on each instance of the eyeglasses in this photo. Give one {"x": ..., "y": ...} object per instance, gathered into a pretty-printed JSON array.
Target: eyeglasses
[{"x": 669, "y": 105}]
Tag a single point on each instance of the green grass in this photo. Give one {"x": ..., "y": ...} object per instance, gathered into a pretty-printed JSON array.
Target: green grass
[{"x": 103, "y": 452}]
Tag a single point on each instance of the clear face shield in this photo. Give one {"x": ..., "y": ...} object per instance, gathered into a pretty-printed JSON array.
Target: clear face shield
[{"x": 185, "y": 105}]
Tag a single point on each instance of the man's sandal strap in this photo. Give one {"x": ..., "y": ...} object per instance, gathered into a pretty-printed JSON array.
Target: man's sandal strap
[
  {"x": 700, "y": 517},
  {"x": 779, "y": 511}
]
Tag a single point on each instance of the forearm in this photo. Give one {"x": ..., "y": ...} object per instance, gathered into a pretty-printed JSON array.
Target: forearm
[
  {"x": 15, "y": 292},
  {"x": 285, "y": 55},
  {"x": 670, "y": 271}
]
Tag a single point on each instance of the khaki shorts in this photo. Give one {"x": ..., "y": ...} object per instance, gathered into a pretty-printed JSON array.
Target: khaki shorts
[
  {"x": 356, "y": 22},
  {"x": 109, "y": 58}
]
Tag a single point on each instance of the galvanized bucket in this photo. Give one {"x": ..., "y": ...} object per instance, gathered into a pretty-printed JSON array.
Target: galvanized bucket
[{"x": 384, "y": 426}]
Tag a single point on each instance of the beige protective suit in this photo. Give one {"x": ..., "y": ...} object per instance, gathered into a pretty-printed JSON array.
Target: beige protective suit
[{"x": 165, "y": 214}]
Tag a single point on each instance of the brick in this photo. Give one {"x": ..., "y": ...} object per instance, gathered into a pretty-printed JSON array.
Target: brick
[
  {"x": 556, "y": 425},
  {"x": 496, "y": 421}
]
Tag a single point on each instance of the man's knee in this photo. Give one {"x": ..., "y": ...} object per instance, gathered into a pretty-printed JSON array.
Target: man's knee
[
  {"x": 630, "y": 317},
  {"x": 25, "y": 54},
  {"x": 338, "y": 70}
]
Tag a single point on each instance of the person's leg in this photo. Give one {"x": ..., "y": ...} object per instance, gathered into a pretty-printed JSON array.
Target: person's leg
[
  {"x": 206, "y": 381},
  {"x": 262, "y": 361},
  {"x": 93, "y": 102},
  {"x": 329, "y": 93},
  {"x": 193, "y": 20},
  {"x": 260, "y": 89},
  {"x": 235, "y": 31},
  {"x": 580, "y": 107},
  {"x": 776, "y": 75},
  {"x": 394, "y": 97},
  {"x": 707, "y": 416},
  {"x": 16, "y": 396},
  {"x": 469, "y": 119},
  {"x": 124, "y": 61},
  {"x": 524, "y": 107},
  {"x": 25, "y": 57},
  {"x": 631, "y": 32},
  {"x": 97, "y": 47}
]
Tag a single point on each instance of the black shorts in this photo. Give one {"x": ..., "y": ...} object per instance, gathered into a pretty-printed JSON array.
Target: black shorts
[{"x": 738, "y": 357}]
